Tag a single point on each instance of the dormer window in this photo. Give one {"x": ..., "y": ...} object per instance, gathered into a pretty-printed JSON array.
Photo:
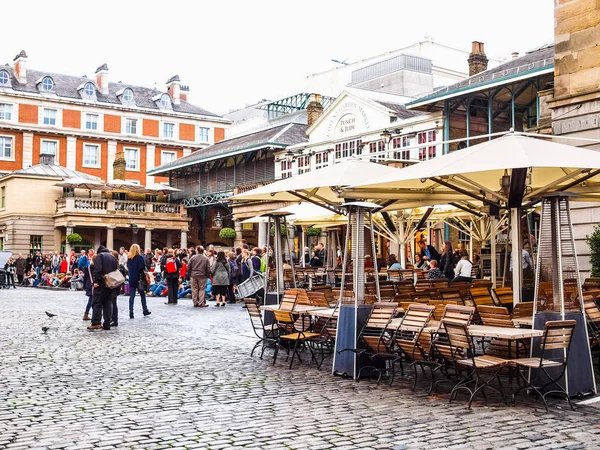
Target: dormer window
[
  {"x": 128, "y": 95},
  {"x": 47, "y": 84},
  {"x": 4, "y": 78},
  {"x": 89, "y": 90},
  {"x": 165, "y": 101}
]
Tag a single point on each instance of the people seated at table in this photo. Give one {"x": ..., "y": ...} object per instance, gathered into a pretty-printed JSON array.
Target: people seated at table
[
  {"x": 447, "y": 261},
  {"x": 420, "y": 263},
  {"x": 392, "y": 263},
  {"x": 428, "y": 252},
  {"x": 462, "y": 271},
  {"x": 434, "y": 271}
]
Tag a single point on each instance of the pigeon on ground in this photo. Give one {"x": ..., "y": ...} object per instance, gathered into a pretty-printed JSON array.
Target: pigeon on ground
[
  {"x": 45, "y": 329},
  {"x": 49, "y": 314}
]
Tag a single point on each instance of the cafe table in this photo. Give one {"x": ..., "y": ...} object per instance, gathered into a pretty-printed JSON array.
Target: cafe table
[
  {"x": 523, "y": 321},
  {"x": 298, "y": 308}
]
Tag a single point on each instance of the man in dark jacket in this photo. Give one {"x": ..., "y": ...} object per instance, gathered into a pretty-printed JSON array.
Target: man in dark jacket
[
  {"x": 428, "y": 252},
  {"x": 20, "y": 266},
  {"x": 102, "y": 298}
]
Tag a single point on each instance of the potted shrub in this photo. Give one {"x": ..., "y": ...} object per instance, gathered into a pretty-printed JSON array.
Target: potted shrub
[
  {"x": 74, "y": 239},
  {"x": 227, "y": 233},
  {"x": 282, "y": 231},
  {"x": 593, "y": 241}
]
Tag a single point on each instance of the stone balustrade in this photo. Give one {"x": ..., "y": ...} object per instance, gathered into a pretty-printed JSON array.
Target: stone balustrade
[{"x": 106, "y": 206}]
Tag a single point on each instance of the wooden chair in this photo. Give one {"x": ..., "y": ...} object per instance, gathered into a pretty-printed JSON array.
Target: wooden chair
[
  {"x": 482, "y": 283},
  {"x": 481, "y": 296},
  {"x": 420, "y": 274},
  {"x": 503, "y": 296},
  {"x": 266, "y": 334},
  {"x": 404, "y": 287},
  {"x": 288, "y": 333},
  {"x": 302, "y": 296},
  {"x": 394, "y": 275},
  {"x": 459, "y": 313},
  {"x": 422, "y": 284},
  {"x": 407, "y": 274},
  {"x": 439, "y": 283},
  {"x": 288, "y": 279},
  {"x": 375, "y": 336},
  {"x": 557, "y": 336},
  {"x": 591, "y": 284},
  {"x": 407, "y": 341},
  {"x": 288, "y": 301},
  {"x": 452, "y": 294},
  {"x": 420, "y": 297},
  {"x": 522, "y": 310},
  {"x": 318, "y": 299},
  {"x": 387, "y": 293},
  {"x": 461, "y": 353},
  {"x": 495, "y": 316}
]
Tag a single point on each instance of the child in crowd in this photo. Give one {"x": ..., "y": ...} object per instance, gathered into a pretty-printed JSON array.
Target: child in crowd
[
  {"x": 434, "y": 271},
  {"x": 184, "y": 288}
]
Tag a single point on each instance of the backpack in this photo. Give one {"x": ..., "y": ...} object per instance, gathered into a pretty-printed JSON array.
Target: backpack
[
  {"x": 170, "y": 265},
  {"x": 263, "y": 265},
  {"x": 235, "y": 269}
]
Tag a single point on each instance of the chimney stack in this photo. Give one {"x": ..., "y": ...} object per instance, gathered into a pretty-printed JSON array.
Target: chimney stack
[
  {"x": 184, "y": 92},
  {"x": 314, "y": 109},
  {"x": 21, "y": 67},
  {"x": 119, "y": 166},
  {"x": 174, "y": 89},
  {"x": 477, "y": 60},
  {"x": 102, "y": 79}
]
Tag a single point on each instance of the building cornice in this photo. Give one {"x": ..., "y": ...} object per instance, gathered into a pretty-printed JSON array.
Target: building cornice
[{"x": 114, "y": 107}]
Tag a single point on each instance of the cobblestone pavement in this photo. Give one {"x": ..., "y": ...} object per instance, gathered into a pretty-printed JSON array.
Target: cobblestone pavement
[{"x": 183, "y": 378}]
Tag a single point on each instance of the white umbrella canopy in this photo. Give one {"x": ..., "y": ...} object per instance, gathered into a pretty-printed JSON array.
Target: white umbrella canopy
[
  {"x": 322, "y": 184},
  {"x": 161, "y": 188},
  {"x": 297, "y": 211},
  {"x": 125, "y": 185},
  {"x": 479, "y": 169},
  {"x": 82, "y": 183}
]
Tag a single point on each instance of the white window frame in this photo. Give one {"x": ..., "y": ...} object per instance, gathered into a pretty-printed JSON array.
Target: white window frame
[
  {"x": 56, "y": 119},
  {"x": 137, "y": 126},
  {"x": 207, "y": 135},
  {"x": 12, "y": 112},
  {"x": 91, "y": 144},
  {"x": 12, "y": 148},
  {"x": 56, "y": 153},
  {"x": 84, "y": 121},
  {"x": 137, "y": 162},
  {"x": 175, "y": 131},
  {"x": 324, "y": 156},
  {"x": 167, "y": 152}
]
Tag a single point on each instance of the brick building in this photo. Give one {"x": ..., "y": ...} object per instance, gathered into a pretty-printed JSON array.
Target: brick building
[{"x": 83, "y": 124}]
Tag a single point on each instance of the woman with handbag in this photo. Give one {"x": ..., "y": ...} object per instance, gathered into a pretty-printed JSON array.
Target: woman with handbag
[
  {"x": 220, "y": 279},
  {"x": 136, "y": 267}
]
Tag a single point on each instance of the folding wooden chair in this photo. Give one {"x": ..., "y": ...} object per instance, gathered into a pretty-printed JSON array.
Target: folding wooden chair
[
  {"x": 452, "y": 294},
  {"x": 481, "y": 296},
  {"x": 288, "y": 333},
  {"x": 503, "y": 296},
  {"x": 266, "y": 334},
  {"x": 317, "y": 299},
  {"x": 288, "y": 301},
  {"x": 472, "y": 368},
  {"x": 557, "y": 336}
]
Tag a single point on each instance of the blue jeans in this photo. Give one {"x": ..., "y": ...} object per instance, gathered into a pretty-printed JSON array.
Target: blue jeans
[
  {"x": 89, "y": 305},
  {"x": 184, "y": 292},
  {"x": 132, "y": 297},
  {"x": 157, "y": 289}
]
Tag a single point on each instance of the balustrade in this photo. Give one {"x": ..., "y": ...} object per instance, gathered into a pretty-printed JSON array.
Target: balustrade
[{"x": 104, "y": 206}]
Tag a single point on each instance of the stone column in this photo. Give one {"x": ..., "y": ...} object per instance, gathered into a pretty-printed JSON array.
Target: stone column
[
  {"x": 57, "y": 239},
  {"x": 109, "y": 237},
  {"x": 183, "y": 243},
  {"x": 262, "y": 234},
  {"x": 148, "y": 239},
  {"x": 97, "y": 239},
  {"x": 238, "y": 233},
  {"x": 67, "y": 245},
  {"x": 169, "y": 239}
]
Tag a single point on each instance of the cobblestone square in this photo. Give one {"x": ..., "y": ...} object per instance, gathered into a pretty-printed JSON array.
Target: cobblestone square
[{"x": 183, "y": 378}]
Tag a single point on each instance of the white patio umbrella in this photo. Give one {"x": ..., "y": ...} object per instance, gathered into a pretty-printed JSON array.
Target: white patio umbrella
[
  {"x": 125, "y": 185},
  {"x": 319, "y": 186},
  {"x": 477, "y": 171},
  {"x": 506, "y": 172},
  {"x": 161, "y": 189},
  {"x": 83, "y": 183},
  {"x": 297, "y": 211}
]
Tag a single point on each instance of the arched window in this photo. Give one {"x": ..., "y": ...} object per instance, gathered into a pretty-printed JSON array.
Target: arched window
[
  {"x": 48, "y": 84},
  {"x": 128, "y": 95},
  {"x": 89, "y": 90},
  {"x": 4, "y": 78}
]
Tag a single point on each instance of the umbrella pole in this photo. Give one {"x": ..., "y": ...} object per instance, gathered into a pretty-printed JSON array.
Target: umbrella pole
[
  {"x": 374, "y": 256},
  {"x": 290, "y": 253},
  {"x": 401, "y": 232},
  {"x": 516, "y": 256},
  {"x": 493, "y": 251}
]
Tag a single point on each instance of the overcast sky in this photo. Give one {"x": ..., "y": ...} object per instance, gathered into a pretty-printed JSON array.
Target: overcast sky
[{"x": 233, "y": 53}]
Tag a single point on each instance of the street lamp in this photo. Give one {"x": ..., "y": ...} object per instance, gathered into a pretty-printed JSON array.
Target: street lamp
[
  {"x": 386, "y": 137},
  {"x": 218, "y": 220},
  {"x": 134, "y": 227}
]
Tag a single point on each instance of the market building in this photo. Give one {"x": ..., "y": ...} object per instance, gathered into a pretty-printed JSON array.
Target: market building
[{"x": 52, "y": 124}]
